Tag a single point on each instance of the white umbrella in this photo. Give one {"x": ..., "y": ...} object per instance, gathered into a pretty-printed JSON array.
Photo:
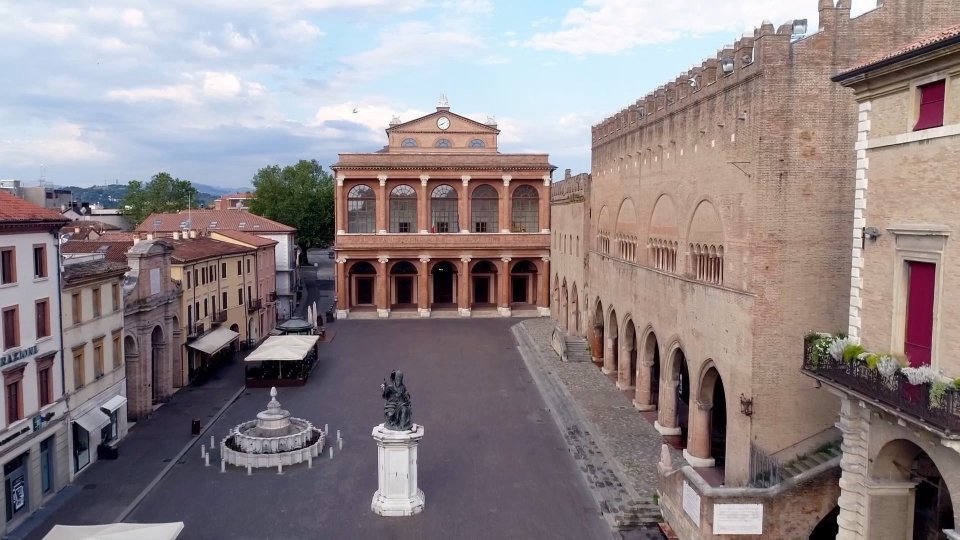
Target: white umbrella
[
  {"x": 311, "y": 317},
  {"x": 316, "y": 314},
  {"x": 116, "y": 531}
]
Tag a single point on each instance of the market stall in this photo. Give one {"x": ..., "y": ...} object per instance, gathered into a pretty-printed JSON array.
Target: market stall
[{"x": 282, "y": 361}]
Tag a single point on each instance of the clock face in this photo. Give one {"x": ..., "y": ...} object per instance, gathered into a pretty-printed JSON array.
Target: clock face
[{"x": 443, "y": 122}]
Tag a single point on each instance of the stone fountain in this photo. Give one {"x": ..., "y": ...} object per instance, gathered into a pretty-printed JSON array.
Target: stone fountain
[{"x": 273, "y": 439}]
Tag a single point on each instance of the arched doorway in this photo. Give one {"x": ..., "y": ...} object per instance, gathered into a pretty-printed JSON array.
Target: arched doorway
[
  {"x": 523, "y": 279},
  {"x": 574, "y": 324},
  {"x": 931, "y": 509},
  {"x": 627, "y": 377},
  {"x": 708, "y": 443},
  {"x": 403, "y": 285},
  {"x": 156, "y": 362},
  {"x": 564, "y": 306},
  {"x": 362, "y": 276},
  {"x": 611, "y": 365},
  {"x": 444, "y": 277},
  {"x": 674, "y": 399},
  {"x": 483, "y": 280},
  {"x": 828, "y": 528},
  {"x": 648, "y": 380},
  {"x": 598, "y": 334},
  {"x": 176, "y": 354}
]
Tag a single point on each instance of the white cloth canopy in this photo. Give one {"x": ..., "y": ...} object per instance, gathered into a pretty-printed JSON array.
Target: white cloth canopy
[
  {"x": 93, "y": 420},
  {"x": 116, "y": 531},
  {"x": 114, "y": 403},
  {"x": 214, "y": 341},
  {"x": 283, "y": 348}
]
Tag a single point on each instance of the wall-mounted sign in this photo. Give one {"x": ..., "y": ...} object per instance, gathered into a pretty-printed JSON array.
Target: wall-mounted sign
[
  {"x": 18, "y": 493},
  {"x": 738, "y": 519},
  {"x": 16, "y": 356},
  {"x": 691, "y": 503}
]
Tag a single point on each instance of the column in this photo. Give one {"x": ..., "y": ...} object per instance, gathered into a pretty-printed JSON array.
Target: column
[
  {"x": 343, "y": 295},
  {"x": 666, "y": 423},
  {"x": 644, "y": 392},
  {"x": 339, "y": 202},
  {"x": 423, "y": 287},
  {"x": 463, "y": 207},
  {"x": 381, "y": 297},
  {"x": 544, "y": 212},
  {"x": 382, "y": 205},
  {"x": 463, "y": 287},
  {"x": 503, "y": 288},
  {"x": 697, "y": 452},
  {"x": 543, "y": 288},
  {"x": 608, "y": 354},
  {"x": 423, "y": 209},
  {"x": 854, "y": 465},
  {"x": 896, "y": 519},
  {"x": 505, "y": 205}
]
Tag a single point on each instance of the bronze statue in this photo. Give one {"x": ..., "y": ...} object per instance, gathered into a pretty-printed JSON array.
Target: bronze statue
[{"x": 396, "y": 410}]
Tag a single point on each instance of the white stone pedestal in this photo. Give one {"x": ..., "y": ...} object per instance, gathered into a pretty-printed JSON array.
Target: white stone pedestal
[{"x": 398, "y": 494}]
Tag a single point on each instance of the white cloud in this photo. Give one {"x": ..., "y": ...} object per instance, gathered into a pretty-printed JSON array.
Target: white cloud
[
  {"x": 611, "y": 26},
  {"x": 178, "y": 93},
  {"x": 62, "y": 142},
  {"x": 299, "y": 31},
  {"x": 203, "y": 86},
  {"x": 221, "y": 85},
  {"x": 370, "y": 116},
  {"x": 239, "y": 41},
  {"x": 475, "y": 7}
]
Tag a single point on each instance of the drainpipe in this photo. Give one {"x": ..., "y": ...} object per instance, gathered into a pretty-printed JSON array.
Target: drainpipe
[{"x": 63, "y": 360}]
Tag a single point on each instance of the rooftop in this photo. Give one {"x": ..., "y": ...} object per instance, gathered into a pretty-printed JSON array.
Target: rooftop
[
  {"x": 16, "y": 210},
  {"x": 248, "y": 238},
  {"x": 113, "y": 250},
  {"x": 218, "y": 220},
  {"x": 941, "y": 38},
  {"x": 79, "y": 272},
  {"x": 200, "y": 248}
]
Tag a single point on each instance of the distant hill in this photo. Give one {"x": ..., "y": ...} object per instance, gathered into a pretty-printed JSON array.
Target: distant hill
[{"x": 110, "y": 195}]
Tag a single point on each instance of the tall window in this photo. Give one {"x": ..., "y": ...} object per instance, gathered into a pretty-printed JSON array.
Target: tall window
[
  {"x": 403, "y": 209},
  {"x": 248, "y": 265},
  {"x": 117, "y": 350},
  {"x": 13, "y": 384},
  {"x": 43, "y": 318},
  {"x": 8, "y": 266},
  {"x": 930, "y": 114},
  {"x": 921, "y": 293},
  {"x": 240, "y": 296},
  {"x": 98, "y": 358},
  {"x": 239, "y": 267},
  {"x": 45, "y": 380},
  {"x": 444, "y": 217},
  {"x": 485, "y": 209},
  {"x": 40, "y": 261},
  {"x": 188, "y": 279},
  {"x": 525, "y": 216},
  {"x": 79, "y": 368},
  {"x": 223, "y": 301},
  {"x": 361, "y": 210},
  {"x": 115, "y": 289},
  {"x": 11, "y": 327},
  {"x": 76, "y": 308},
  {"x": 223, "y": 270},
  {"x": 97, "y": 303}
]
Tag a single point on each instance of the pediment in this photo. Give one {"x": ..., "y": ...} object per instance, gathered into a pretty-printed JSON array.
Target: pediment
[{"x": 428, "y": 124}]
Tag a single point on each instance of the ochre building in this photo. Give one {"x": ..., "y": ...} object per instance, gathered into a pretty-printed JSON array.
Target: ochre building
[
  {"x": 714, "y": 234},
  {"x": 440, "y": 223}
]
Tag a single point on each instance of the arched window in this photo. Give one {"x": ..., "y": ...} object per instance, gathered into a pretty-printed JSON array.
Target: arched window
[
  {"x": 526, "y": 210},
  {"x": 444, "y": 217},
  {"x": 444, "y": 143},
  {"x": 484, "y": 209},
  {"x": 361, "y": 210},
  {"x": 403, "y": 209},
  {"x": 477, "y": 143},
  {"x": 409, "y": 143}
]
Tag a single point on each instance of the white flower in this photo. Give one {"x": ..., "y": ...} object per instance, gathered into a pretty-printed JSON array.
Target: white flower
[
  {"x": 921, "y": 375},
  {"x": 887, "y": 367},
  {"x": 837, "y": 347}
]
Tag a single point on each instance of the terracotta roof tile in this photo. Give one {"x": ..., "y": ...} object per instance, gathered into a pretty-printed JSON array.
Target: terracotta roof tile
[
  {"x": 248, "y": 238},
  {"x": 200, "y": 248},
  {"x": 77, "y": 272},
  {"x": 115, "y": 251},
  {"x": 935, "y": 38},
  {"x": 15, "y": 209},
  {"x": 214, "y": 220}
]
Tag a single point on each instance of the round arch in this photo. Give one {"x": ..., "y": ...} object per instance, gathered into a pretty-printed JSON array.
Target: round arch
[
  {"x": 709, "y": 442},
  {"x": 627, "y": 375},
  {"x": 484, "y": 209},
  {"x": 648, "y": 378},
  {"x": 443, "y": 278},
  {"x": 597, "y": 336},
  {"x": 361, "y": 282},
  {"x": 574, "y": 323},
  {"x": 564, "y": 306},
  {"x": 901, "y": 460},
  {"x": 611, "y": 357},
  {"x": 158, "y": 345},
  {"x": 361, "y": 209}
]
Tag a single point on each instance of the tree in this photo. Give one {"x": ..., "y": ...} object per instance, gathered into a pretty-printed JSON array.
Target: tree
[
  {"x": 162, "y": 194},
  {"x": 300, "y": 196}
]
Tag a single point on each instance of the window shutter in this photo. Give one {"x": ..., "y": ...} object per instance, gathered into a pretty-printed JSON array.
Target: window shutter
[
  {"x": 931, "y": 106},
  {"x": 919, "y": 323}
]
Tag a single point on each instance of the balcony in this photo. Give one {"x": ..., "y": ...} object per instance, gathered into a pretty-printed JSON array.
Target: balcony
[
  {"x": 271, "y": 297},
  {"x": 534, "y": 240},
  {"x": 254, "y": 304},
  {"x": 895, "y": 393},
  {"x": 219, "y": 317},
  {"x": 196, "y": 330}
]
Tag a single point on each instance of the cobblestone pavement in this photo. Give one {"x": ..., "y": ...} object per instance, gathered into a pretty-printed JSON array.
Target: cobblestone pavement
[{"x": 615, "y": 448}]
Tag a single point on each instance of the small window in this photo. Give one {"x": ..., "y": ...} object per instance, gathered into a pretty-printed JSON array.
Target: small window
[
  {"x": 11, "y": 327},
  {"x": 444, "y": 143},
  {"x": 931, "y": 106},
  {"x": 97, "y": 304},
  {"x": 116, "y": 296},
  {"x": 76, "y": 308},
  {"x": 8, "y": 266},
  {"x": 98, "y": 358},
  {"x": 43, "y": 318},
  {"x": 409, "y": 143},
  {"x": 223, "y": 301},
  {"x": 39, "y": 261},
  {"x": 239, "y": 267},
  {"x": 118, "y": 348},
  {"x": 223, "y": 270},
  {"x": 248, "y": 266},
  {"x": 477, "y": 143},
  {"x": 240, "y": 296}
]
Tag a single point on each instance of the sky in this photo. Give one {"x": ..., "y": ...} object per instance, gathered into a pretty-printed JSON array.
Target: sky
[{"x": 105, "y": 91}]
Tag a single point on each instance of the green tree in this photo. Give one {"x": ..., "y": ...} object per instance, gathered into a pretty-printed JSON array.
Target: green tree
[
  {"x": 300, "y": 196},
  {"x": 163, "y": 193}
]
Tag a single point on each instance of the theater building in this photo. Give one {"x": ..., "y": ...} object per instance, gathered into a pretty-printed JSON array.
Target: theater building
[{"x": 440, "y": 223}]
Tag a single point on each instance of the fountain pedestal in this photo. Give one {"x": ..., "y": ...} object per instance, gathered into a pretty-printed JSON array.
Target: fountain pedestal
[{"x": 398, "y": 494}]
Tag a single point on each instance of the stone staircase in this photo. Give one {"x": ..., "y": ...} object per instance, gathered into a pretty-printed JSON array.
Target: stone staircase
[
  {"x": 578, "y": 350},
  {"x": 807, "y": 462}
]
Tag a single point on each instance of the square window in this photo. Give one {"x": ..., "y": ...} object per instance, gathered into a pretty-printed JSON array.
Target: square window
[
  {"x": 39, "y": 261},
  {"x": 930, "y": 114},
  {"x": 11, "y": 327}
]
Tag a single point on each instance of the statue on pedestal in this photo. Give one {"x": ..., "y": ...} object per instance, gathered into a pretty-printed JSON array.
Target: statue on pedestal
[{"x": 396, "y": 410}]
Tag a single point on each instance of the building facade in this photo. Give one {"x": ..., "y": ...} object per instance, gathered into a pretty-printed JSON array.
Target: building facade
[
  {"x": 440, "y": 223},
  {"x": 718, "y": 204},
  {"x": 896, "y": 379},
  {"x": 233, "y": 201},
  {"x": 286, "y": 251},
  {"x": 569, "y": 223},
  {"x": 153, "y": 336},
  {"x": 94, "y": 375},
  {"x": 33, "y": 428}
]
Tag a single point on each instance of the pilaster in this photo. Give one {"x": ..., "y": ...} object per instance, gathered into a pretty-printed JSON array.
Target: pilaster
[
  {"x": 503, "y": 289},
  {"x": 463, "y": 287},
  {"x": 505, "y": 205},
  {"x": 423, "y": 210},
  {"x": 382, "y": 204},
  {"x": 382, "y": 297},
  {"x": 854, "y": 465},
  {"x": 423, "y": 288},
  {"x": 463, "y": 204}
]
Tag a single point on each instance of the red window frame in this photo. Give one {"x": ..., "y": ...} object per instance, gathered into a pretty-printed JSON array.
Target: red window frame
[{"x": 930, "y": 114}]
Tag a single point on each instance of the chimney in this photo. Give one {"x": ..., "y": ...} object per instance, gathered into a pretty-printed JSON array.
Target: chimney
[
  {"x": 193, "y": 233},
  {"x": 176, "y": 235},
  {"x": 149, "y": 236},
  {"x": 136, "y": 240},
  {"x": 566, "y": 173}
]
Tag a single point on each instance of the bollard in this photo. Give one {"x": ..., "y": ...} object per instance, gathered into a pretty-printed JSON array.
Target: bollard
[
  {"x": 249, "y": 469},
  {"x": 212, "y": 442},
  {"x": 338, "y": 434},
  {"x": 223, "y": 465},
  {"x": 326, "y": 429},
  {"x": 309, "y": 462},
  {"x": 279, "y": 468},
  {"x": 206, "y": 460},
  {"x": 203, "y": 451},
  {"x": 339, "y": 444},
  {"x": 331, "y": 452}
]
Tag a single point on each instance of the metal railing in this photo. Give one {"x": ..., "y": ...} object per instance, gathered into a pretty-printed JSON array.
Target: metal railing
[
  {"x": 254, "y": 304},
  {"x": 219, "y": 317},
  {"x": 765, "y": 470},
  {"x": 909, "y": 400},
  {"x": 197, "y": 329}
]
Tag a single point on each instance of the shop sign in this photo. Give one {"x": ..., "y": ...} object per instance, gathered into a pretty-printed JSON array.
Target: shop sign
[
  {"x": 16, "y": 356},
  {"x": 18, "y": 494}
]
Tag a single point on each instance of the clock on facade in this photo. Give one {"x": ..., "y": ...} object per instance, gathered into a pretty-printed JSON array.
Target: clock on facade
[{"x": 443, "y": 122}]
